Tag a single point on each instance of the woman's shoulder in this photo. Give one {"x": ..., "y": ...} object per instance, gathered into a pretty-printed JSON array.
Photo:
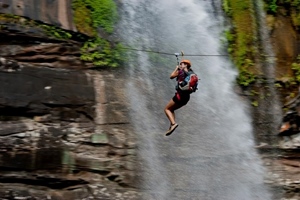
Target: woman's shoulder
[{"x": 191, "y": 72}]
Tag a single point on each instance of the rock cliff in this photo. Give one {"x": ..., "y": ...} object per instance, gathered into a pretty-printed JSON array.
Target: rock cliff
[
  {"x": 280, "y": 148},
  {"x": 64, "y": 129}
]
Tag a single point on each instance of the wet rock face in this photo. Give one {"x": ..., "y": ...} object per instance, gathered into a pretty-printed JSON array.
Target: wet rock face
[
  {"x": 34, "y": 49},
  {"x": 283, "y": 160},
  {"x": 64, "y": 129},
  {"x": 290, "y": 125},
  {"x": 56, "y": 12},
  {"x": 65, "y": 132},
  {"x": 30, "y": 91}
]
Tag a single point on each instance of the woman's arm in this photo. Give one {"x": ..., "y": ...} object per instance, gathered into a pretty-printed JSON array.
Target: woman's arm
[{"x": 174, "y": 74}]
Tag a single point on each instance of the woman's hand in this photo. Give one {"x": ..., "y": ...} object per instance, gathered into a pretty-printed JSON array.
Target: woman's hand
[{"x": 174, "y": 74}]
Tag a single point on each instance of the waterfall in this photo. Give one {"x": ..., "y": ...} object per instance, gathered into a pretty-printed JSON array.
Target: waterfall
[
  {"x": 270, "y": 111},
  {"x": 211, "y": 155}
]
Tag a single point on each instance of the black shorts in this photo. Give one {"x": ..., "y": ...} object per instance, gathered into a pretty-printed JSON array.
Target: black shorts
[{"x": 181, "y": 98}]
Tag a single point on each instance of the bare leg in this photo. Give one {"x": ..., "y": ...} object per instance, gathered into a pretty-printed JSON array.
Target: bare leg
[{"x": 169, "y": 110}]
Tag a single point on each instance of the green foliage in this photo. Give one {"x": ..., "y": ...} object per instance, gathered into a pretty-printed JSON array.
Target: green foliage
[
  {"x": 241, "y": 38},
  {"x": 296, "y": 69},
  {"x": 294, "y": 10},
  {"x": 229, "y": 39},
  {"x": 244, "y": 65},
  {"x": 82, "y": 18},
  {"x": 296, "y": 17},
  {"x": 294, "y": 3},
  {"x": 271, "y": 6},
  {"x": 50, "y": 30},
  {"x": 226, "y": 7},
  {"x": 9, "y": 16},
  {"x": 104, "y": 14},
  {"x": 56, "y": 32},
  {"x": 89, "y": 15},
  {"x": 292, "y": 95},
  {"x": 102, "y": 53},
  {"x": 229, "y": 36},
  {"x": 246, "y": 78},
  {"x": 253, "y": 93},
  {"x": 254, "y": 103}
]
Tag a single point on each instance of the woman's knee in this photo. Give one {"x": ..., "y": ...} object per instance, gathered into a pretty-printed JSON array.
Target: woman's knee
[
  {"x": 169, "y": 106},
  {"x": 167, "y": 109}
]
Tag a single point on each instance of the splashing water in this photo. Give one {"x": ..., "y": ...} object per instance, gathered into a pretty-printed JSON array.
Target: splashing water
[{"x": 211, "y": 154}]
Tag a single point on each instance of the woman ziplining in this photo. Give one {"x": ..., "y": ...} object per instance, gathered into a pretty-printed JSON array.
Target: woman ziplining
[{"x": 187, "y": 82}]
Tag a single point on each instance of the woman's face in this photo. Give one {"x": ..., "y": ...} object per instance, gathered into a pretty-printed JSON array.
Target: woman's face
[{"x": 183, "y": 66}]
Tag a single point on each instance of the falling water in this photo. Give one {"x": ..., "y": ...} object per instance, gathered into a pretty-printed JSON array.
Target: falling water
[
  {"x": 269, "y": 107},
  {"x": 211, "y": 154}
]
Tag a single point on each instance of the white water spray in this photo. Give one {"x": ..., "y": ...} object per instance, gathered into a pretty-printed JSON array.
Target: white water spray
[{"x": 211, "y": 154}]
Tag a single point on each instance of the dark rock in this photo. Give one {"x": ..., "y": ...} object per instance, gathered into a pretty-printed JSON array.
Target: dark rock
[
  {"x": 54, "y": 183},
  {"x": 66, "y": 132},
  {"x": 41, "y": 159},
  {"x": 55, "y": 132},
  {"x": 12, "y": 128},
  {"x": 290, "y": 124},
  {"x": 65, "y": 94}
]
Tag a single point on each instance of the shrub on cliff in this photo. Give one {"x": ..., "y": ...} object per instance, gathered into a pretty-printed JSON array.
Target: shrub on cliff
[{"x": 93, "y": 18}]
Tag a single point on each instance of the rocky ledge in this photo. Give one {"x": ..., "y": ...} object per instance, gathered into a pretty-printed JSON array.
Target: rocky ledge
[{"x": 64, "y": 134}]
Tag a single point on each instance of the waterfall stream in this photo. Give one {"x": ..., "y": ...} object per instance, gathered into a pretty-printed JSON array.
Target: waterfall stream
[
  {"x": 211, "y": 155},
  {"x": 269, "y": 107}
]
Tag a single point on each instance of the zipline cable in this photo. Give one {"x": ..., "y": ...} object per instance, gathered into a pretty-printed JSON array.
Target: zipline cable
[
  {"x": 176, "y": 54},
  {"x": 170, "y": 54}
]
